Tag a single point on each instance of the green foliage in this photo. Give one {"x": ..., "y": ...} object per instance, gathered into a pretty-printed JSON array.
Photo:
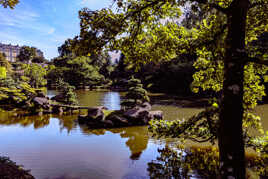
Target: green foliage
[
  {"x": 203, "y": 160},
  {"x": 9, "y": 3},
  {"x": 35, "y": 74},
  {"x": 39, "y": 60},
  {"x": 148, "y": 31},
  {"x": 67, "y": 48},
  {"x": 77, "y": 71},
  {"x": 14, "y": 93},
  {"x": 3, "y": 72},
  {"x": 173, "y": 76},
  {"x": 81, "y": 70},
  {"x": 67, "y": 91},
  {"x": 135, "y": 95},
  {"x": 27, "y": 53},
  {"x": 4, "y": 62}
]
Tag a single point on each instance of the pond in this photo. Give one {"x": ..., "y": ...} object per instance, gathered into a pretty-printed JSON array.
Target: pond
[{"x": 56, "y": 147}]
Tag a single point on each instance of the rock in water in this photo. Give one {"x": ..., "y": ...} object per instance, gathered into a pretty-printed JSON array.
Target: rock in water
[
  {"x": 157, "y": 114},
  {"x": 96, "y": 113},
  {"x": 139, "y": 115},
  {"x": 42, "y": 102},
  {"x": 59, "y": 98}
]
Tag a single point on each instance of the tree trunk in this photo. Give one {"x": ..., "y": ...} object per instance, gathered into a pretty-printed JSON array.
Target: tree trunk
[{"x": 231, "y": 144}]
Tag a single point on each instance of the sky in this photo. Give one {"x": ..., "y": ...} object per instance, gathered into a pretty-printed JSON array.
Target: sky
[{"x": 44, "y": 24}]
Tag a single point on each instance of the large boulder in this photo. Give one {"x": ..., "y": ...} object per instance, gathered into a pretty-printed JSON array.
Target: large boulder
[
  {"x": 57, "y": 110},
  {"x": 96, "y": 113},
  {"x": 42, "y": 102},
  {"x": 59, "y": 98},
  {"x": 137, "y": 116},
  {"x": 95, "y": 118},
  {"x": 146, "y": 106},
  {"x": 157, "y": 114},
  {"x": 117, "y": 119}
]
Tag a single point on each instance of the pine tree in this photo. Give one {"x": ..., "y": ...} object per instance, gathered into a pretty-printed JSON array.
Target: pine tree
[{"x": 136, "y": 94}]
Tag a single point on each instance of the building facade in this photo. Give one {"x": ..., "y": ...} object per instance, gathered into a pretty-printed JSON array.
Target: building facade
[{"x": 12, "y": 51}]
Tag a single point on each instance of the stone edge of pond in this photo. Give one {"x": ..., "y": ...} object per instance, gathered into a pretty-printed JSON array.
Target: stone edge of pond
[{"x": 10, "y": 170}]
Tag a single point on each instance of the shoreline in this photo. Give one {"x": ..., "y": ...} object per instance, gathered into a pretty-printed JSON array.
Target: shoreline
[{"x": 10, "y": 170}]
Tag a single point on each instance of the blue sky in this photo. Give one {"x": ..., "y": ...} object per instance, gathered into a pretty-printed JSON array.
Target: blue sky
[{"x": 45, "y": 24}]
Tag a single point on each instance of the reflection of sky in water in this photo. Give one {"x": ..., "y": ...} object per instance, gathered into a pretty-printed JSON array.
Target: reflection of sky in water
[
  {"x": 111, "y": 100},
  {"x": 51, "y": 93},
  {"x": 41, "y": 144}
]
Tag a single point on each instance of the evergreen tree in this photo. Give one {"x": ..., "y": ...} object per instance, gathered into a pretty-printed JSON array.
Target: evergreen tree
[
  {"x": 136, "y": 95},
  {"x": 67, "y": 92}
]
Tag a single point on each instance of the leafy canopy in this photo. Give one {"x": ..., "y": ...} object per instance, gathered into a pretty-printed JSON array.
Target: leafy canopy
[
  {"x": 9, "y": 3},
  {"x": 150, "y": 31}
]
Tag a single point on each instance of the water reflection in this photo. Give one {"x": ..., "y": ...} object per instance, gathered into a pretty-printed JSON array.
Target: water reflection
[
  {"x": 67, "y": 122},
  {"x": 36, "y": 121},
  {"x": 111, "y": 100},
  {"x": 58, "y": 147},
  {"x": 137, "y": 137},
  {"x": 169, "y": 164},
  {"x": 51, "y": 93}
]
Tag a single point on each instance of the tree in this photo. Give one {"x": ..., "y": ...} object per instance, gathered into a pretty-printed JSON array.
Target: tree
[
  {"x": 228, "y": 28},
  {"x": 9, "y": 3},
  {"x": 35, "y": 75},
  {"x": 81, "y": 72},
  {"x": 67, "y": 48},
  {"x": 4, "y": 62},
  {"x": 27, "y": 54},
  {"x": 136, "y": 95},
  {"x": 77, "y": 71},
  {"x": 39, "y": 60},
  {"x": 3, "y": 72},
  {"x": 69, "y": 96}
]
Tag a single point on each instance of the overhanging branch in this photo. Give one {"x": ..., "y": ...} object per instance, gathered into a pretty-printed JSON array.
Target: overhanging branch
[
  {"x": 258, "y": 61},
  {"x": 252, "y": 5},
  {"x": 213, "y": 5}
]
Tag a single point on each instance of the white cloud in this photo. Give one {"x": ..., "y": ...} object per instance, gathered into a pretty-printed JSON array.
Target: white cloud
[
  {"x": 22, "y": 19},
  {"x": 51, "y": 30},
  {"x": 18, "y": 18}
]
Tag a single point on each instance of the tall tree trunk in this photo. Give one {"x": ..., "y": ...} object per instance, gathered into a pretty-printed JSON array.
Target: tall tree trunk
[{"x": 231, "y": 144}]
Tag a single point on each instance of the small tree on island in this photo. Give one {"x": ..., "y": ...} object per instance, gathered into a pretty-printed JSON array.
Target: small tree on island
[
  {"x": 136, "y": 94},
  {"x": 67, "y": 92}
]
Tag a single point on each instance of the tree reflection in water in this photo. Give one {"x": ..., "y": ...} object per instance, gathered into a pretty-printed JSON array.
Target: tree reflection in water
[
  {"x": 37, "y": 121},
  {"x": 200, "y": 162},
  {"x": 182, "y": 164},
  {"x": 67, "y": 122},
  {"x": 137, "y": 137}
]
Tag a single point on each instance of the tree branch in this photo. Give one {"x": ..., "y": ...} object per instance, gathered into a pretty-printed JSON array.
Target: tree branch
[
  {"x": 152, "y": 3},
  {"x": 258, "y": 61},
  {"x": 213, "y": 5},
  {"x": 252, "y": 5}
]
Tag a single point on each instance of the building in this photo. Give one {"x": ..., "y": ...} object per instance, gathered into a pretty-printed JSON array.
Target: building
[{"x": 12, "y": 51}]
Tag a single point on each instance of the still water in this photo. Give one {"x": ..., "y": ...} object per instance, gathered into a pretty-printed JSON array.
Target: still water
[{"x": 56, "y": 147}]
